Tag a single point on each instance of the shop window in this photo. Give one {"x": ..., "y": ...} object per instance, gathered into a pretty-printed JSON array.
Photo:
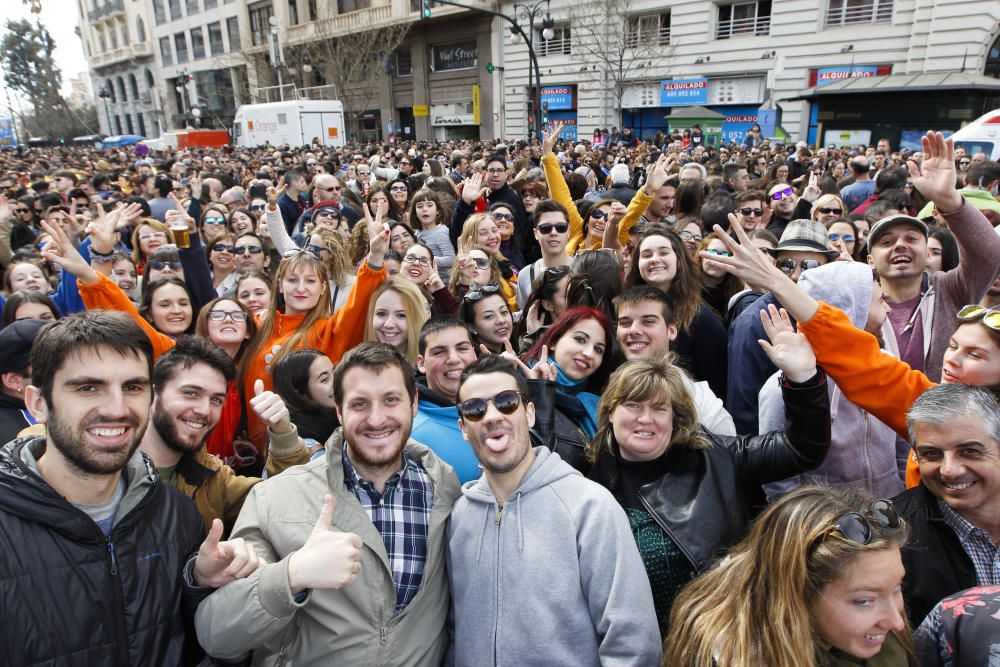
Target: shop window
[
  {"x": 456, "y": 56},
  {"x": 846, "y": 12},
  {"x": 404, "y": 62},
  {"x": 744, "y": 18},
  {"x": 558, "y": 45},
  {"x": 260, "y": 26},
  {"x": 648, "y": 30}
]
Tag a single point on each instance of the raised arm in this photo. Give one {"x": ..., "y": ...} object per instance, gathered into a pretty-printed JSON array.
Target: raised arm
[
  {"x": 559, "y": 190},
  {"x": 276, "y": 224}
]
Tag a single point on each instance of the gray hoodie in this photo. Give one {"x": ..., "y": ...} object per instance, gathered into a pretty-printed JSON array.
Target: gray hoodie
[
  {"x": 556, "y": 579},
  {"x": 863, "y": 450}
]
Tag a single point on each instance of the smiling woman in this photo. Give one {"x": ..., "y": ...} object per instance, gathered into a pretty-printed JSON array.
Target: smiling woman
[{"x": 396, "y": 312}]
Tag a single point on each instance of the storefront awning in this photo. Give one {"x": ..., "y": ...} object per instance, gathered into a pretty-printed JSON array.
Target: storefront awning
[{"x": 903, "y": 83}]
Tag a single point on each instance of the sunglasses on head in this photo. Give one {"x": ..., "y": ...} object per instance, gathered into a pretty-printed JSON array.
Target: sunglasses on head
[
  {"x": 559, "y": 227},
  {"x": 828, "y": 211},
  {"x": 474, "y": 409},
  {"x": 223, "y": 247},
  {"x": 846, "y": 238},
  {"x": 157, "y": 265},
  {"x": 252, "y": 249},
  {"x": 788, "y": 266},
  {"x": 990, "y": 317},
  {"x": 787, "y": 192},
  {"x": 858, "y": 528},
  {"x": 234, "y": 315},
  {"x": 555, "y": 273},
  {"x": 509, "y": 217},
  {"x": 755, "y": 212},
  {"x": 477, "y": 293}
]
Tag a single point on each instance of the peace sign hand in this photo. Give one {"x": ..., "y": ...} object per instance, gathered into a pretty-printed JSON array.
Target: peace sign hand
[
  {"x": 550, "y": 137},
  {"x": 60, "y": 251}
]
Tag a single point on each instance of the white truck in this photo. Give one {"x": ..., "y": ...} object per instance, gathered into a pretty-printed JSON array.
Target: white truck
[{"x": 295, "y": 123}]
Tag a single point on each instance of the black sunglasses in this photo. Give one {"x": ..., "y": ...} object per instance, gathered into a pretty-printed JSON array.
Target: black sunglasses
[
  {"x": 257, "y": 207},
  {"x": 503, "y": 216},
  {"x": 857, "y": 527},
  {"x": 474, "y": 409},
  {"x": 252, "y": 249},
  {"x": 788, "y": 266},
  {"x": 755, "y": 212},
  {"x": 224, "y": 247},
  {"x": 598, "y": 214},
  {"x": 157, "y": 265},
  {"x": 559, "y": 227},
  {"x": 477, "y": 293},
  {"x": 828, "y": 211}
]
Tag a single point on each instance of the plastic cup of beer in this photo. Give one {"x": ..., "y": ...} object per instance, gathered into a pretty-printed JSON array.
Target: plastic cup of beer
[{"x": 182, "y": 234}]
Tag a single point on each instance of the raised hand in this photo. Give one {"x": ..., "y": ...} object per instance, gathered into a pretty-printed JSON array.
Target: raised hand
[
  {"x": 542, "y": 370},
  {"x": 328, "y": 559},
  {"x": 472, "y": 188},
  {"x": 812, "y": 192},
  {"x": 273, "y": 194},
  {"x": 657, "y": 175},
  {"x": 61, "y": 251},
  {"x": 434, "y": 282},
  {"x": 936, "y": 178},
  {"x": 102, "y": 229},
  {"x": 378, "y": 238},
  {"x": 748, "y": 263},
  {"x": 219, "y": 563},
  {"x": 5, "y": 208},
  {"x": 270, "y": 408},
  {"x": 789, "y": 350},
  {"x": 550, "y": 137}
]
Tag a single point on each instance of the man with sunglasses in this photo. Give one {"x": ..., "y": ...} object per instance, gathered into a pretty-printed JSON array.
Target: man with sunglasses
[
  {"x": 249, "y": 254},
  {"x": 326, "y": 192},
  {"x": 954, "y": 514},
  {"x": 23, "y": 231},
  {"x": 785, "y": 207},
  {"x": 542, "y": 563},
  {"x": 376, "y": 593},
  {"x": 750, "y": 210},
  {"x": 552, "y": 234}
]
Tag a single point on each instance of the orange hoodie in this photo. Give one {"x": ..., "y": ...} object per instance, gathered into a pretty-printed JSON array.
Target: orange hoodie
[{"x": 871, "y": 379}]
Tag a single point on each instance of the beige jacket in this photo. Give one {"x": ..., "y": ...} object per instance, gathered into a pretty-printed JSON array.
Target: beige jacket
[{"x": 349, "y": 626}]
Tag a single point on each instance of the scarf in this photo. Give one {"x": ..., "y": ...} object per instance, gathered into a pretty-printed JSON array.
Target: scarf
[{"x": 572, "y": 399}]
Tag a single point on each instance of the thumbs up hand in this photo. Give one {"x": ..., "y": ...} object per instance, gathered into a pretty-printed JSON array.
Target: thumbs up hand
[
  {"x": 270, "y": 408},
  {"x": 328, "y": 559},
  {"x": 219, "y": 563}
]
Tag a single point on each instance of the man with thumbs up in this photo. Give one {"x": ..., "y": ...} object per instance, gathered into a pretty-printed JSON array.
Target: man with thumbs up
[{"x": 354, "y": 542}]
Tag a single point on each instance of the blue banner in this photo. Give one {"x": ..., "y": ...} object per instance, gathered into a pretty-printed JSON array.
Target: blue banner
[
  {"x": 739, "y": 120},
  {"x": 559, "y": 98},
  {"x": 568, "y": 118},
  {"x": 7, "y": 137},
  {"x": 683, "y": 92}
]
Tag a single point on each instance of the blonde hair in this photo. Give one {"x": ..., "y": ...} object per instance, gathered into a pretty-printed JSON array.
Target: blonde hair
[
  {"x": 339, "y": 266},
  {"x": 641, "y": 381},
  {"x": 470, "y": 231},
  {"x": 755, "y": 607},
  {"x": 825, "y": 201},
  {"x": 137, "y": 255},
  {"x": 417, "y": 312},
  {"x": 266, "y": 328},
  {"x": 359, "y": 243}
]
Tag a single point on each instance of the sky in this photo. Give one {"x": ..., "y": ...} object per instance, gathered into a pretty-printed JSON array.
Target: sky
[{"x": 61, "y": 18}]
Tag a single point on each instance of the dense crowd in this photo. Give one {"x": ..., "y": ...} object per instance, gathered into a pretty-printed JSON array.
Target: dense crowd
[{"x": 609, "y": 402}]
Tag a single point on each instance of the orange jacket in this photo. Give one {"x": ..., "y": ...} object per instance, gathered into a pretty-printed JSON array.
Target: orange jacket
[
  {"x": 332, "y": 336},
  {"x": 871, "y": 379}
]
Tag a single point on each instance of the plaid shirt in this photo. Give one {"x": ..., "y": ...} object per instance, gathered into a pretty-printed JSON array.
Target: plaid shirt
[
  {"x": 401, "y": 515},
  {"x": 984, "y": 554}
]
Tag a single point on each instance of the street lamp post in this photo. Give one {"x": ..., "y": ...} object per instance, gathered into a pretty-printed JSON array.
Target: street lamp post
[
  {"x": 182, "y": 81},
  {"x": 104, "y": 94},
  {"x": 277, "y": 59}
]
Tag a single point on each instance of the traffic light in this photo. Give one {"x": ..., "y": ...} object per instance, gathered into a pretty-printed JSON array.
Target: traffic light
[
  {"x": 545, "y": 112},
  {"x": 425, "y": 9},
  {"x": 531, "y": 115}
]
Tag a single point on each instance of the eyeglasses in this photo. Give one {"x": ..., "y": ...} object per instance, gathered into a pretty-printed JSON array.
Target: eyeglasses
[
  {"x": 215, "y": 221},
  {"x": 598, "y": 214},
  {"x": 252, "y": 249},
  {"x": 787, "y": 192},
  {"x": 314, "y": 249},
  {"x": 788, "y": 266},
  {"x": 157, "y": 265},
  {"x": 415, "y": 259},
  {"x": 481, "y": 262},
  {"x": 496, "y": 172},
  {"x": 364, "y": 173},
  {"x": 477, "y": 293},
  {"x": 548, "y": 227},
  {"x": 22, "y": 210},
  {"x": 234, "y": 315},
  {"x": 720, "y": 253},
  {"x": 755, "y": 212},
  {"x": 223, "y": 247},
  {"x": 327, "y": 213},
  {"x": 474, "y": 409},
  {"x": 150, "y": 236},
  {"x": 398, "y": 188},
  {"x": 990, "y": 317},
  {"x": 857, "y": 527},
  {"x": 828, "y": 211},
  {"x": 405, "y": 163},
  {"x": 509, "y": 217},
  {"x": 254, "y": 208},
  {"x": 690, "y": 236},
  {"x": 846, "y": 238},
  {"x": 965, "y": 162}
]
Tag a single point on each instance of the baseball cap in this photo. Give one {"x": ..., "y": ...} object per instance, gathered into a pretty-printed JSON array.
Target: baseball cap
[
  {"x": 804, "y": 236},
  {"x": 16, "y": 340},
  {"x": 882, "y": 225}
]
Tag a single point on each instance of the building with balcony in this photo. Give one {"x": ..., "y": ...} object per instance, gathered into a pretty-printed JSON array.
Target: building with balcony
[
  {"x": 118, "y": 47},
  {"x": 397, "y": 75},
  {"x": 202, "y": 67},
  {"x": 836, "y": 71}
]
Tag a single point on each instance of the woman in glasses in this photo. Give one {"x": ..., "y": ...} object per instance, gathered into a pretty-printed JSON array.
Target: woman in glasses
[
  {"x": 479, "y": 266},
  {"x": 661, "y": 259},
  {"x": 486, "y": 312},
  {"x": 214, "y": 221},
  {"x": 399, "y": 193},
  {"x": 149, "y": 235},
  {"x": 221, "y": 259},
  {"x": 718, "y": 287},
  {"x": 842, "y": 235},
  {"x": 481, "y": 230},
  {"x": 331, "y": 248},
  {"x": 689, "y": 493},
  {"x": 395, "y": 314},
  {"x": 816, "y": 583},
  {"x": 429, "y": 217},
  {"x": 503, "y": 215},
  {"x": 828, "y": 208}
]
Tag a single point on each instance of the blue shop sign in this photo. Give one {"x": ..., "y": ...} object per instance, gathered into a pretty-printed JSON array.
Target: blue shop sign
[
  {"x": 559, "y": 98},
  {"x": 683, "y": 92},
  {"x": 568, "y": 118},
  {"x": 739, "y": 120}
]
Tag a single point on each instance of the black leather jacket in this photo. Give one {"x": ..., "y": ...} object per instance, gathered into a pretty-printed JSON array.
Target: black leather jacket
[
  {"x": 554, "y": 428},
  {"x": 702, "y": 502}
]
